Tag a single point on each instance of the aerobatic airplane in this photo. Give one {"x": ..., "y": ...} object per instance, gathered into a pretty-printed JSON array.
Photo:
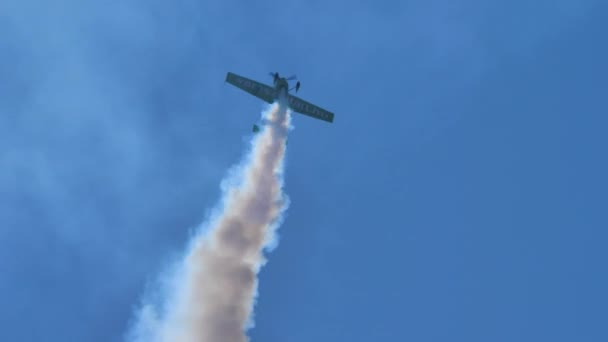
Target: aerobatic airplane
[{"x": 281, "y": 88}]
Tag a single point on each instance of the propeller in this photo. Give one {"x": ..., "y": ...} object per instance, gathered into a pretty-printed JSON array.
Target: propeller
[{"x": 276, "y": 74}]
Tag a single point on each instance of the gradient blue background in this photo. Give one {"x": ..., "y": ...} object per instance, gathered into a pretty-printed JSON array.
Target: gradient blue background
[{"x": 460, "y": 194}]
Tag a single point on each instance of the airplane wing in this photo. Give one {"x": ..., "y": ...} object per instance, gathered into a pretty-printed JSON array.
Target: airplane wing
[
  {"x": 306, "y": 108},
  {"x": 254, "y": 88}
]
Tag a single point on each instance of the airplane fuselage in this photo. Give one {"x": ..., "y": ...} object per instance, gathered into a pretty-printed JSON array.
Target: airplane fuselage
[{"x": 281, "y": 86}]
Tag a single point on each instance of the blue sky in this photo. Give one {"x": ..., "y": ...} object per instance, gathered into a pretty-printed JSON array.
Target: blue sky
[{"x": 460, "y": 194}]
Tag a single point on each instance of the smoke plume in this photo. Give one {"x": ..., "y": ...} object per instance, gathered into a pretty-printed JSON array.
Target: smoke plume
[{"x": 213, "y": 288}]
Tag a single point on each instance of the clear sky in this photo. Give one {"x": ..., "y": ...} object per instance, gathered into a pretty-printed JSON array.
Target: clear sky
[{"x": 460, "y": 194}]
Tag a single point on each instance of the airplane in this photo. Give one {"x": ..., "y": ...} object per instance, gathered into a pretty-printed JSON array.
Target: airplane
[{"x": 281, "y": 88}]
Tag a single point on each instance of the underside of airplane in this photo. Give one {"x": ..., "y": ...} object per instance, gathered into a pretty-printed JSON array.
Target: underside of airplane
[{"x": 272, "y": 94}]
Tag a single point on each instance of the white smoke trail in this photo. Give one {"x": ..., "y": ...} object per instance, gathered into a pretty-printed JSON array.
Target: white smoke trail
[{"x": 212, "y": 292}]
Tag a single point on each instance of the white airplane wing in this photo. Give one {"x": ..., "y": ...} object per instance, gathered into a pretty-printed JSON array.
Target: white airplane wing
[
  {"x": 306, "y": 108},
  {"x": 254, "y": 88}
]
